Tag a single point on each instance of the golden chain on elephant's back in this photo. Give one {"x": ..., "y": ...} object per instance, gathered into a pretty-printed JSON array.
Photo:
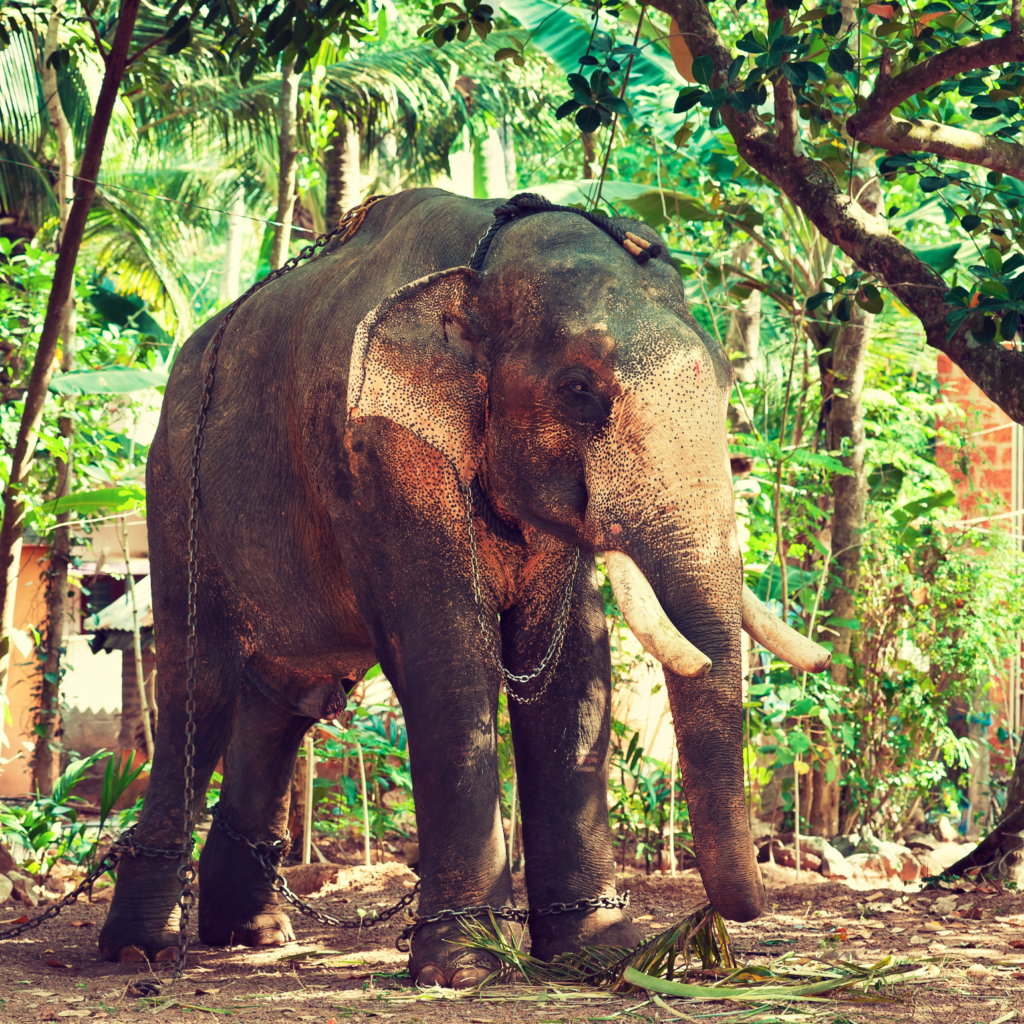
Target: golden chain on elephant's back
[{"x": 346, "y": 228}]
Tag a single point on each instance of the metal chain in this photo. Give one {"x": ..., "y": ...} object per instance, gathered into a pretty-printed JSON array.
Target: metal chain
[
  {"x": 267, "y": 852},
  {"x": 494, "y": 641},
  {"x": 404, "y": 941},
  {"x": 123, "y": 846},
  {"x": 346, "y": 228}
]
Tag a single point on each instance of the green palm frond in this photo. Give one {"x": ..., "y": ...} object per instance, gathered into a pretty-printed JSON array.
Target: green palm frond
[
  {"x": 137, "y": 252},
  {"x": 702, "y": 934}
]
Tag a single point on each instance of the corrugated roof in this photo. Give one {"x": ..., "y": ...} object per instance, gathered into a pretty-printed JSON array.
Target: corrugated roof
[{"x": 117, "y": 616}]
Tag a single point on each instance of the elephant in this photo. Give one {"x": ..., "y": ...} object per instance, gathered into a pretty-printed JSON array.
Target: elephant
[{"x": 414, "y": 461}]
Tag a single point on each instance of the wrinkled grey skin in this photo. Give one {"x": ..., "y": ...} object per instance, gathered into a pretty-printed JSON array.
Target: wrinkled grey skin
[{"x": 344, "y": 420}]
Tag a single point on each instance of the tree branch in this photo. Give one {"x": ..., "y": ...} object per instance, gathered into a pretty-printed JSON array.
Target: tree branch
[
  {"x": 889, "y": 93},
  {"x": 149, "y": 45},
  {"x": 786, "y": 126},
  {"x": 865, "y": 238},
  {"x": 920, "y": 136}
]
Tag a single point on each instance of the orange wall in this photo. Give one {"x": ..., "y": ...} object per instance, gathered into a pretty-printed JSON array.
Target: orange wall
[
  {"x": 29, "y": 608},
  {"x": 989, "y": 487},
  {"x": 992, "y": 459}
]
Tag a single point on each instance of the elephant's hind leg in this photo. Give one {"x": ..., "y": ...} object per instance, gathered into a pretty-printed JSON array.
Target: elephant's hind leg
[
  {"x": 237, "y": 903},
  {"x": 143, "y": 920}
]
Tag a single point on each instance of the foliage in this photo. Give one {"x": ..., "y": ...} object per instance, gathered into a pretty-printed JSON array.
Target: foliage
[
  {"x": 936, "y": 615},
  {"x": 378, "y": 731},
  {"x": 48, "y": 826}
]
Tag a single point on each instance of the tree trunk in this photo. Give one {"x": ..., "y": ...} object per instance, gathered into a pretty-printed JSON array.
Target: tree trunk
[
  {"x": 1001, "y": 853},
  {"x": 589, "y": 154},
  {"x": 60, "y": 291},
  {"x": 508, "y": 145},
  {"x": 743, "y": 336},
  {"x": 843, "y": 387},
  {"x": 231, "y": 275},
  {"x": 60, "y": 553},
  {"x": 287, "y": 154},
  {"x": 343, "y": 173}
]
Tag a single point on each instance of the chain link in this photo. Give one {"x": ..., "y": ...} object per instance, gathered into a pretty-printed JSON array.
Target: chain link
[
  {"x": 267, "y": 853},
  {"x": 490, "y": 634}
]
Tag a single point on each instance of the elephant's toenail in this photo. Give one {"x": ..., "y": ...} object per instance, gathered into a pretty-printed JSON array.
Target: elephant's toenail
[
  {"x": 469, "y": 977},
  {"x": 430, "y": 976},
  {"x": 166, "y": 955},
  {"x": 131, "y": 955}
]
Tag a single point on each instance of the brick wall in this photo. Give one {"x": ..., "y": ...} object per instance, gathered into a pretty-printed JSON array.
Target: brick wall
[
  {"x": 987, "y": 489},
  {"x": 991, "y": 467}
]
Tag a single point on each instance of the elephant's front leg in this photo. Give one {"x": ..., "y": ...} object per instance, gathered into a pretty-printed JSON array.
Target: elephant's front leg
[
  {"x": 561, "y": 746},
  {"x": 450, "y": 705}
]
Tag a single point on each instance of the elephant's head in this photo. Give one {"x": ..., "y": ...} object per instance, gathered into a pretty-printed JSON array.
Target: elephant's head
[{"x": 579, "y": 379}]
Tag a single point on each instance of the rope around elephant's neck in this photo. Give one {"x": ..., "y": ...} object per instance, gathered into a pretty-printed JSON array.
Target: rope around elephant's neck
[{"x": 525, "y": 203}]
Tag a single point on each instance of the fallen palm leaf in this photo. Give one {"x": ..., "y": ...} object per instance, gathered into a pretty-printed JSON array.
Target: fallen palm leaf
[
  {"x": 654, "y": 965},
  {"x": 702, "y": 934}
]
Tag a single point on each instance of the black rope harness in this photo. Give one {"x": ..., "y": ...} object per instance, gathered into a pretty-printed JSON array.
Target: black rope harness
[{"x": 529, "y": 202}]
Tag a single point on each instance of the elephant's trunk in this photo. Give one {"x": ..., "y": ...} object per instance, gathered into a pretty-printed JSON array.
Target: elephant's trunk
[{"x": 706, "y": 704}]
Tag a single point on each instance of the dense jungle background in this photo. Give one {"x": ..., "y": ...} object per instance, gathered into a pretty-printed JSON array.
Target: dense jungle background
[{"x": 841, "y": 187}]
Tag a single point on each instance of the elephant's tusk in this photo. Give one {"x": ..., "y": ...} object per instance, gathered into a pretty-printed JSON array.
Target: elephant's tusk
[
  {"x": 771, "y": 632},
  {"x": 651, "y": 626}
]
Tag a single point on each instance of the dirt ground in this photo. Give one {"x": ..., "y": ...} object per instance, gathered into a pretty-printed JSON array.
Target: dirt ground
[{"x": 971, "y": 947}]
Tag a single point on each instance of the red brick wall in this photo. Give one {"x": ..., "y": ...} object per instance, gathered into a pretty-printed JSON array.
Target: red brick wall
[
  {"x": 987, "y": 489},
  {"x": 992, "y": 457}
]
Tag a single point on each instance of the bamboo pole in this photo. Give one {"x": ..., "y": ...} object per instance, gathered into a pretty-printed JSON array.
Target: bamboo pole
[
  {"x": 140, "y": 678},
  {"x": 366, "y": 809},
  {"x": 512, "y": 820},
  {"x": 672, "y": 814},
  {"x": 307, "y": 810}
]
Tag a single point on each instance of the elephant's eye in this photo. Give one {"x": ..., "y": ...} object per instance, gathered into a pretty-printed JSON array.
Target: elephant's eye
[{"x": 581, "y": 399}]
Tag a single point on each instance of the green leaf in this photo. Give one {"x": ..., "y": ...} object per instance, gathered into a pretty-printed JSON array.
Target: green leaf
[
  {"x": 753, "y": 42},
  {"x": 588, "y": 119},
  {"x": 841, "y": 61},
  {"x": 817, "y": 300},
  {"x": 841, "y": 310},
  {"x": 108, "y": 499},
  {"x": 116, "y": 380},
  {"x": 373, "y": 673},
  {"x": 687, "y": 98},
  {"x": 993, "y": 260},
  {"x": 970, "y": 222},
  {"x": 704, "y": 69},
  {"x": 933, "y": 182},
  {"x": 798, "y": 742},
  {"x": 1009, "y": 325},
  {"x": 832, "y": 23},
  {"x": 871, "y": 299},
  {"x": 939, "y": 257}
]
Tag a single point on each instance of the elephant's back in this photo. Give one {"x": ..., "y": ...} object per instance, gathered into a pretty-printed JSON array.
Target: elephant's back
[
  {"x": 282, "y": 364},
  {"x": 273, "y": 440}
]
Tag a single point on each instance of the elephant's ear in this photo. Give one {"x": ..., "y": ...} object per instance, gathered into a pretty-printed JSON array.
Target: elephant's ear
[{"x": 415, "y": 362}]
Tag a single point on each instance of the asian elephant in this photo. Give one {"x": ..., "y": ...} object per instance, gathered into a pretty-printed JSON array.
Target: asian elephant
[{"x": 410, "y": 461}]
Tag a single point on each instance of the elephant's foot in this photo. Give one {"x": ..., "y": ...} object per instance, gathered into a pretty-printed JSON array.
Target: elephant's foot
[
  {"x": 438, "y": 959},
  {"x": 142, "y": 924},
  {"x": 238, "y": 906},
  {"x": 569, "y": 933}
]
